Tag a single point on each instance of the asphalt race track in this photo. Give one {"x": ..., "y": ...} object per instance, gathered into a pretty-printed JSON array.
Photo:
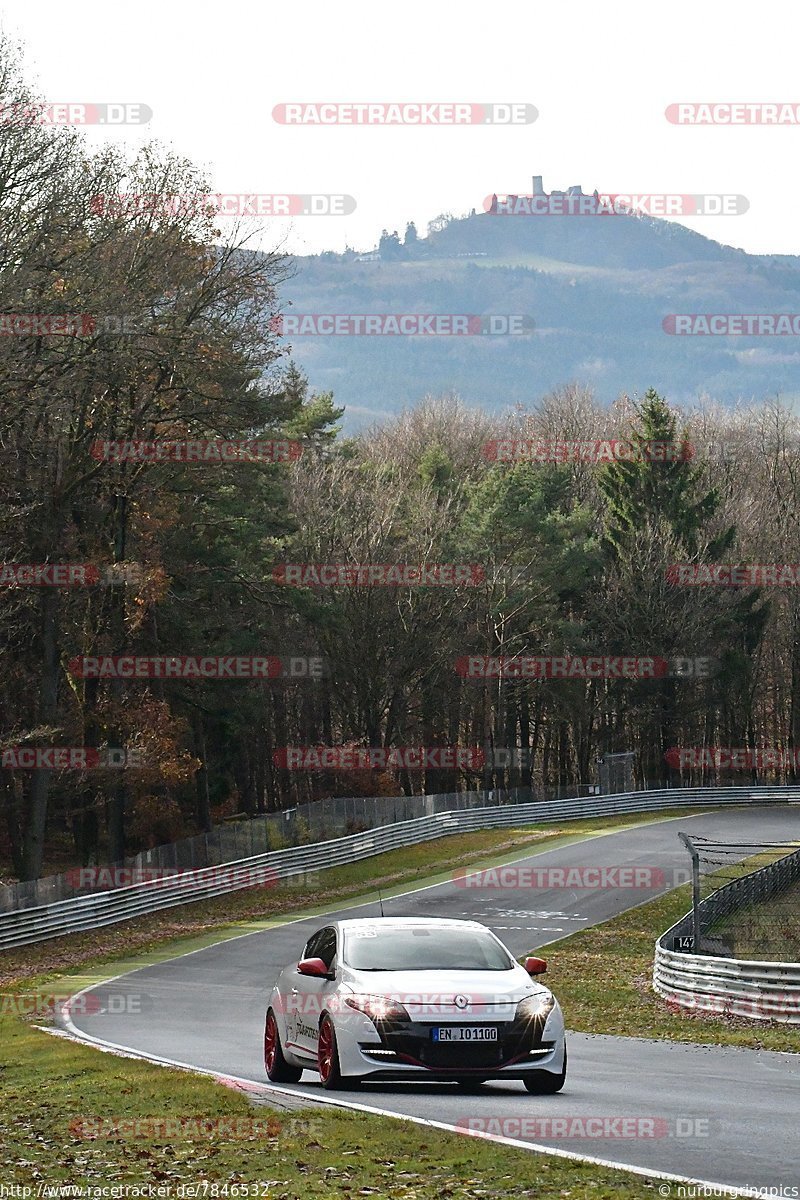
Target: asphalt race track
[{"x": 207, "y": 1009}]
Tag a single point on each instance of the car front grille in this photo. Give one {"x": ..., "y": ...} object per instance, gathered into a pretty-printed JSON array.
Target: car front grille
[{"x": 412, "y": 1042}]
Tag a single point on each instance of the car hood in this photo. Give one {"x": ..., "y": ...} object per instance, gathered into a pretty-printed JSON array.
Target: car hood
[{"x": 469, "y": 994}]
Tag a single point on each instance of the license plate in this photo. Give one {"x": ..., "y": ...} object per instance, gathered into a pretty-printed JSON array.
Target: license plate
[{"x": 464, "y": 1033}]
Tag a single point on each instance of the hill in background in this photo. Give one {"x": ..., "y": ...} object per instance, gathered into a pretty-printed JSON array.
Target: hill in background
[{"x": 596, "y": 287}]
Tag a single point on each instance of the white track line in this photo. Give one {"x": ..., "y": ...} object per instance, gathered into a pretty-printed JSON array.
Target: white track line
[
  {"x": 266, "y": 1089},
  {"x": 78, "y": 1035}
]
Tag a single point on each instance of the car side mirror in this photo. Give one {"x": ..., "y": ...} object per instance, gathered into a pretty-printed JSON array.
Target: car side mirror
[
  {"x": 535, "y": 966},
  {"x": 314, "y": 967}
]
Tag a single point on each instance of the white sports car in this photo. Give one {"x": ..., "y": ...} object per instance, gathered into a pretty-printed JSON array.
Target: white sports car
[{"x": 413, "y": 997}]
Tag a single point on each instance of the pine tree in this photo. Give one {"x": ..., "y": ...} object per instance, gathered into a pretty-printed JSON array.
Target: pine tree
[
  {"x": 646, "y": 491},
  {"x": 658, "y": 512},
  {"x": 310, "y": 418}
]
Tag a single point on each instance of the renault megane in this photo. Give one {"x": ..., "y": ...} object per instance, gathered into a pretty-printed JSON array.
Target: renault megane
[{"x": 413, "y": 998}]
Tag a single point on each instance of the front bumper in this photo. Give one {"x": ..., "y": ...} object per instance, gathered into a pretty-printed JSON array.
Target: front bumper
[{"x": 408, "y": 1049}]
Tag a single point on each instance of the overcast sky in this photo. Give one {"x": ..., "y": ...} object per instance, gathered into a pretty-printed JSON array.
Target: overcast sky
[{"x": 600, "y": 76}]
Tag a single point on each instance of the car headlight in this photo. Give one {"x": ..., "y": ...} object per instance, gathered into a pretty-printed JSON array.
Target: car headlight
[
  {"x": 378, "y": 1008},
  {"x": 535, "y": 1009}
]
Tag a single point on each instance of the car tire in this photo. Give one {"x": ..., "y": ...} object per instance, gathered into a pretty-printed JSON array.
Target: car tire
[
  {"x": 277, "y": 1068},
  {"x": 544, "y": 1083},
  {"x": 330, "y": 1072}
]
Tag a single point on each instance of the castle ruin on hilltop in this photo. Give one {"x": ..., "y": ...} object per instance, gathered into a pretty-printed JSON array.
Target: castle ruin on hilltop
[{"x": 538, "y": 190}]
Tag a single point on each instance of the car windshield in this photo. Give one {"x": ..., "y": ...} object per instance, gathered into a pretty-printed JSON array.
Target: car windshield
[{"x": 410, "y": 948}]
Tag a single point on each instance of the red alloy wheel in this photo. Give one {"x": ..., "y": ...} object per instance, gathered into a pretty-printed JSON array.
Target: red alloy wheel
[
  {"x": 325, "y": 1050},
  {"x": 270, "y": 1043}
]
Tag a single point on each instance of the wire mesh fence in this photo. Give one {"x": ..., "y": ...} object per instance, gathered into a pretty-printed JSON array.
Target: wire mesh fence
[{"x": 746, "y": 899}]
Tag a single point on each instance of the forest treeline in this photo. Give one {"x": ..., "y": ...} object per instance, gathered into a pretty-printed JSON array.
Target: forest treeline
[{"x": 168, "y": 334}]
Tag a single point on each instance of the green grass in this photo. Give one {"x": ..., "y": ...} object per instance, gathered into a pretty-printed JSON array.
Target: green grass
[
  {"x": 54, "y": 1090},
  {"x": 186, "y": 927},
  {"x": 602, "y": 977},
  {"x": 769, "y": 931}
]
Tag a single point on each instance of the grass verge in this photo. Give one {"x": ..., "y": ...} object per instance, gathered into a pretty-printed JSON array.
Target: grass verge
[
  {"x": 63, "y": 1102},
  {"x": 602, "y": 977},
  {"x": 176, "y": 930},
  {"x": 768, "y": 931}
]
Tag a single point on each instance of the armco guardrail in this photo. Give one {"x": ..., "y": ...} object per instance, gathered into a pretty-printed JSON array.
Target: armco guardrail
[
  {"x": 707, "y": 983},
  {"x": 230, "y": 842},
  {"x": 106, "y": 908},
  {"x": 766, "y": 991}
]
